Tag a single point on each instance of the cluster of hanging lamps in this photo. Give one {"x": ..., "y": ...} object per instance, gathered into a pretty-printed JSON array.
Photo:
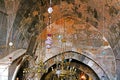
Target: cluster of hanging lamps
[{"x": 49, "y": 40}]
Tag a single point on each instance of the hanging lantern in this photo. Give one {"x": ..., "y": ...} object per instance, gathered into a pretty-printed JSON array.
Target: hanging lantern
[
  {"x": 50, "y": 10},
  {"x": 49, "y": 41},
  {"x": 60, "y": 37},
  {"x": 49, "y": 35},
  {"x": 10, "y": 44},
  {"x": 10, "y": 59}
]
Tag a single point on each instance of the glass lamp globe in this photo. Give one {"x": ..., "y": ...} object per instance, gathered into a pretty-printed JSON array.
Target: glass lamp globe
[
  {"x": 48, "y": 46},
  {"x": 10, "y": 44},
  {"x": 48, "y": 42},
  {"x": 50, "y": 10}
]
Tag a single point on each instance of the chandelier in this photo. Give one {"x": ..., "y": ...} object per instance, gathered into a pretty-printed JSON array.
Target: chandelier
[{"x": 64, "y": 69}]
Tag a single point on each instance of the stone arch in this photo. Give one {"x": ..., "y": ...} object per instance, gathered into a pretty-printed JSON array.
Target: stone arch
[
  {"x": 94, "y": 53},
  {"x": 82, "y": 58},
  {"x": 23, "y": 59}
]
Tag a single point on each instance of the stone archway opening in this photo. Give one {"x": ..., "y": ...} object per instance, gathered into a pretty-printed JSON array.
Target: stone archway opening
[
  {"x": 79, "y": 61},
  {"x": 20, "y": 74},
  {"x": 82, "y": 72}
]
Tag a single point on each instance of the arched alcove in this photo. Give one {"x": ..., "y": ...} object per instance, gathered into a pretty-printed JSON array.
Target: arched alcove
[
  {"x": 77, "y": 65},
  {"x": 93, "y": 66}
]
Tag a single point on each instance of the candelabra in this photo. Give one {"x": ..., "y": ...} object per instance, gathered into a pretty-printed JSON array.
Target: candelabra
[
  {"x": 34, "y": 69},
  {"x": 37, "y": 68}
]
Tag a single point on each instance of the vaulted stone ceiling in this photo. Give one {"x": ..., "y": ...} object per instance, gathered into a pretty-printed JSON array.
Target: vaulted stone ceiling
[
  {"x": 32, "y": 16},
  {"x": 27, "y": 18}
]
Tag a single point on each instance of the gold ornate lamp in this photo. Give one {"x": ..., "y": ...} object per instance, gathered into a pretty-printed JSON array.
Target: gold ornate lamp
[{"x": 63, "y": 69}]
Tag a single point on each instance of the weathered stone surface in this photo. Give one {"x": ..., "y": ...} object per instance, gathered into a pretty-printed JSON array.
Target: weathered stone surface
[{"x": 81, "y": 17}]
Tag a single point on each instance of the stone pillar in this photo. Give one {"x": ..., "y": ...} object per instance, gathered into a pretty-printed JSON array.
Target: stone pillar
[{"x": 4, "y": 72}]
